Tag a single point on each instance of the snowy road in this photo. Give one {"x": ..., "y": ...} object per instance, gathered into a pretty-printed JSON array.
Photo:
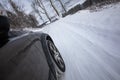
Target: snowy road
[{"x": 89, "y": 44}]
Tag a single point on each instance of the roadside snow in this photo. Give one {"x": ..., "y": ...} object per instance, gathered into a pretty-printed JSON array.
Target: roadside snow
[{"x": 89, "y": 43}]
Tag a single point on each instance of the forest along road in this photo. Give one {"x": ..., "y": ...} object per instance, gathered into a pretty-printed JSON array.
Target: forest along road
[{"x": 89, "y": 42}]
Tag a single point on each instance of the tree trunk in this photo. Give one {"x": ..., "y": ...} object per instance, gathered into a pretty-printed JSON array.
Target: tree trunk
[
  {"x": 62, "y": 5},
  {"x": 41, "y": 17},
  {"x": 36, "y": 10},
  {"x": 45, "y": 11},
  {"x": 54, "y": 7}
]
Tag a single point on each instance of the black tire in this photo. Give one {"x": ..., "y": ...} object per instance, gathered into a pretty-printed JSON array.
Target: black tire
[
  {"x": 56, "y": 55},
  {"x": 46, "y": 42},
  {"x": 47, "y": 54}
]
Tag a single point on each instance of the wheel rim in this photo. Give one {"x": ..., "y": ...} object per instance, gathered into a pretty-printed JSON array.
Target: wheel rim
[{"x": 56, "y": 56}]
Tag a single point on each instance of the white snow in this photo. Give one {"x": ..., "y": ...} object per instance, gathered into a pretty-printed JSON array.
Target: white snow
[{"x": 89, "y": 43}]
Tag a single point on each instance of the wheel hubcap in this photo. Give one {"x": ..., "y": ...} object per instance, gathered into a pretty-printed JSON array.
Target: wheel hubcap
[{"x": 56, "y": 55}]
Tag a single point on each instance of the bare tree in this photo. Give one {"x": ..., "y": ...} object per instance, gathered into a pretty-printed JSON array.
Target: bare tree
[
  {"x": 3, "y": 4},
  {"x": 20, "y": 18},
  {"x": 36, "y": 10},
  {"x": 43, "y": 10},
  {"x": 51, "y": 2},
  {"x": 43, "y": 7},
  {"x": 62, "y": 5},
  {"x": 19, "y": 10},
  {"x": 67, "y": 2},
  {"x": 32, "y": 20},
  {"x": 17, "y": 18}
]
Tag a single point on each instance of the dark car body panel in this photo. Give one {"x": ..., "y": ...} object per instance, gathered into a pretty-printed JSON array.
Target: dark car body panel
[{"x": 23, "y": 58}]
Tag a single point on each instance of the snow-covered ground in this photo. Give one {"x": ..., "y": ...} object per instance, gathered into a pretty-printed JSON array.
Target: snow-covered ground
[{"x": 89, "y": 43}]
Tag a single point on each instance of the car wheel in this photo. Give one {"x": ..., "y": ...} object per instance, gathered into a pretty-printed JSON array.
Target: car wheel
[
  {"x": 53, "y": 56},
  {"x": 56, "y": 55}
]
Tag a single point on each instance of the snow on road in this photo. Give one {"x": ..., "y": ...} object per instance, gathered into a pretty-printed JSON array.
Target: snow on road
[{"x": 89, "y": 43}]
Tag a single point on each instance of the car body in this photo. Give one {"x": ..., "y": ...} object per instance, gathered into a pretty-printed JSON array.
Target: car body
[{"x": 30, "y": 56}]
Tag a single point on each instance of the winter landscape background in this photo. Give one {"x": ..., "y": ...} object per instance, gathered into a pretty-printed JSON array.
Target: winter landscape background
[{"x": 88, "y": 40}]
